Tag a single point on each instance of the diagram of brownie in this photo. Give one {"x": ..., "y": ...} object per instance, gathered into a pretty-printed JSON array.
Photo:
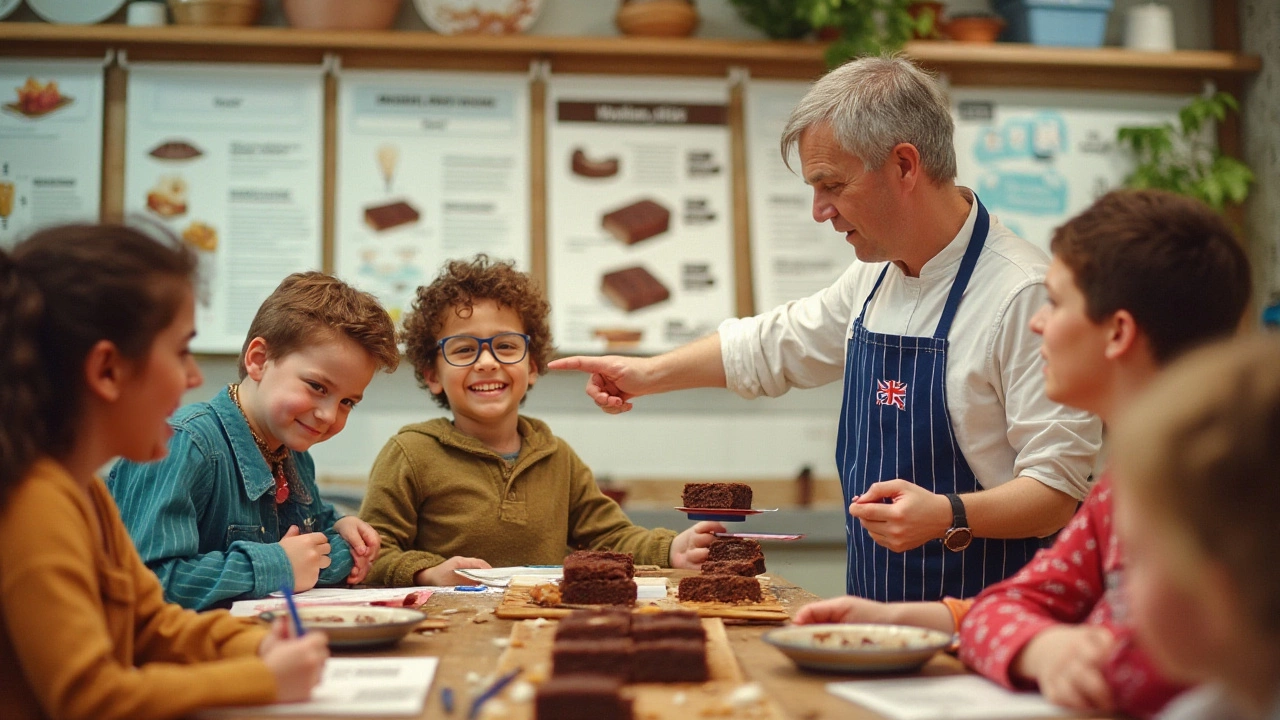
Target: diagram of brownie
[
  {"x": 169, "y": 196},
  {"x": 633, "y": 288},
  {"x": 617, "y": 338},
  {"x": 175, "y": 150},
  {"x": 638, "y": 221},
  {"x": 385, "y": 217},
  {"x": 582, "y": 165}
]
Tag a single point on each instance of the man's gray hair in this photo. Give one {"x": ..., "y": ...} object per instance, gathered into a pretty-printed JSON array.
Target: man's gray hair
[{"x": 874, "y": 103}]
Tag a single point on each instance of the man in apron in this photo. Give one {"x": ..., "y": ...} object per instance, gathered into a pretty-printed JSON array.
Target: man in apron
[{"x": 952, "y": 460}]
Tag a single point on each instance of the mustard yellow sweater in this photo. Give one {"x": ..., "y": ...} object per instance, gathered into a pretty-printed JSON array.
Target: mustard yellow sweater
[
  {"x": 435, "y": 492},
  {"x": 86, "y": 632}
]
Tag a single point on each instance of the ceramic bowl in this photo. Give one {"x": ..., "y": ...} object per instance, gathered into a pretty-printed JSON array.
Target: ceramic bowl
[
  {"x": 657, "y": 18},
  {"x": 215, "y": 12},
  {"x": 341, "y": 14},
  {"x": 858, "y": 648},
  {"x": 357, "y": 626}
]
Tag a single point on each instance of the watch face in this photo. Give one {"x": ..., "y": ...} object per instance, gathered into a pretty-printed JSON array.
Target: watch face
[{"x": 958, "y": 539}]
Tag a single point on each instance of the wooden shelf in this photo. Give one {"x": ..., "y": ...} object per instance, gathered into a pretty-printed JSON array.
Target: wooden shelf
[{"x": 965, "y": 64}]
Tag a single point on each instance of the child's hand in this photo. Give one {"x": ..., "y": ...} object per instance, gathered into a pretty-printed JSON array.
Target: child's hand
[
  {"x": 851, "y": 609},
  {"x": 296, "y": 663},
  {"x": 689, "y": 548},
  {"x": 443, "y": 574},
  {"x": 364, "y": 542},
  {"x": 308, "y": 555},
  {"x": 1067, "y": 662}
]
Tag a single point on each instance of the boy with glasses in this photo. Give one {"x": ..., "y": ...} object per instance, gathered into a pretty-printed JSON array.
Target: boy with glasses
[{"x": 492, "y": 487}]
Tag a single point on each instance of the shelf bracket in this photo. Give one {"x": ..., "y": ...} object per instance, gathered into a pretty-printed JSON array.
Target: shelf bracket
[{"x": 332, "y": 64}]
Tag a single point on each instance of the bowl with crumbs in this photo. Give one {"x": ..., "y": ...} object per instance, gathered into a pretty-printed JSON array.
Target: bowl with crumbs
[
  {"x": 858, "y": 648},
  {"x": 355, "y": 626}
]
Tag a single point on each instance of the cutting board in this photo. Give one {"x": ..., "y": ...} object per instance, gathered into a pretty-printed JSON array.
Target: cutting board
[
  {"x": 722, "y": 696},
  {"x": 518, "y": 605}
]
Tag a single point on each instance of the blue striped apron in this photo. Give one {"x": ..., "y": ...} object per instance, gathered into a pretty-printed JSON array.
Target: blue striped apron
[{"x": 895, "y": 424}]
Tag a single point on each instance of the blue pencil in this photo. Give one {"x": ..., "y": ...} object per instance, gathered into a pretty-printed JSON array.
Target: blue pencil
[{"x": 293, "y": 609}]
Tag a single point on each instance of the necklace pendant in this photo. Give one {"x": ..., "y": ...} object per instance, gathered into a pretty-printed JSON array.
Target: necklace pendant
[{"x": 282, "y": 488}]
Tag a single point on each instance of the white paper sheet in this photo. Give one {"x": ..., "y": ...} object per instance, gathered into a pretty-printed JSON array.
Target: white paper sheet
[
  {"x": 249, "y": 202},
  {"x": 501, "y": 577},
  {"x": 361, "y": 687},
  {"x": 452, "y": 147},
  {"x": 51, "y": 147},
  {"x": 951, "y": 697},
  {"x": 330, "y": 596},
  {"x": 619, "y": 143}
]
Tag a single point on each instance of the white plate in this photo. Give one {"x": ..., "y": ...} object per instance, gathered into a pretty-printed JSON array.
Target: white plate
[
  {"x": 858, "y": 648},
  {"x": 8, "y": 6},
  {"x": 75, "y": 12},
  {"x": 471, "y": 17},
  {"x": 352, "y": 627}
]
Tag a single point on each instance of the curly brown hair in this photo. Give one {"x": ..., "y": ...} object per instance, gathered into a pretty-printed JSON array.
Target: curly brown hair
[
  {"x": 462, "y": 283},
  {"x": 310, "y": 307}
]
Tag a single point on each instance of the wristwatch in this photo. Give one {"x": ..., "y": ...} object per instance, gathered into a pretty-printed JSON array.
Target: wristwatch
[{"x": 959, "y": 536}]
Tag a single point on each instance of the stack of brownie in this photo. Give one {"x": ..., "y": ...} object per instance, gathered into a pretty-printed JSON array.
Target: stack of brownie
[
  {"x": 720, "y": 496},
  {"x": 594, "y": 577},
  {"x": 728, "y": 574},
  {"x": 596, "y": 652}
]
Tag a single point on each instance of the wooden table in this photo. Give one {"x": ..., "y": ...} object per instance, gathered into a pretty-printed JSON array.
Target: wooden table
[{"x": 472, "y": 643}]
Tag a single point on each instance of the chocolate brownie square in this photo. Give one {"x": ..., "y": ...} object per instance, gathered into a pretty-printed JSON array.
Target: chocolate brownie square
[
  {"x": 717, "y": 495},
  {"x": 598, "y": 592},
  {"x": 719, "y": 588},
  {"x": 669, "y": 660},
  {"x": 633, "y": 288},
  {"x": 638, "y": 221},
  {"x": 599, "y": 656},
  {"x": 663, "y": 626},
  {"x": 582, "y": 697},
  {"x": 586, "y": 624},
  {"x": 734, "y": 549},
  {"x": 745, "y": 568},
  {"x": 384, "y": 217},
  {"x": 581, "y": 557}
]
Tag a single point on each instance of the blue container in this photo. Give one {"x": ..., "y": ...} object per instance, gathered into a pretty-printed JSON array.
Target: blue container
[{"x": 1076, "y": 23}]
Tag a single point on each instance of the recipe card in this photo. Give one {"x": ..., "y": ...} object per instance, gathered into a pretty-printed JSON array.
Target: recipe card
[
  {"x": 228, "y": 158},
  {"x": 639, "y": 212},
  {"x": 950, "y": 697},
  {"x": 432, "y": 166}
]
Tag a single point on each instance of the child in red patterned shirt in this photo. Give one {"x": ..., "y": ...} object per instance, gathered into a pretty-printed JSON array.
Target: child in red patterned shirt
[{"x": 1136, "y": 279}]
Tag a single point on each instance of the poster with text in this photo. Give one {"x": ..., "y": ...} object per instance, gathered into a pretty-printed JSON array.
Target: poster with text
[
  {"x": 639, "y": 220},
  {"x": 432, "y": 167},
  {"x": 229, "y": 158},
  {"x": 791, "y": 255},
  {"x": 50, "y": 144},
  {"x": 1036, "y": 158}
]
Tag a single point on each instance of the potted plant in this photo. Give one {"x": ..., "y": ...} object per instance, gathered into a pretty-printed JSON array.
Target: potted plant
[
  {"x": 779, "y": 19},
  {"x": 866, "y": 27},
  {"x": 1184, "y": 159}
]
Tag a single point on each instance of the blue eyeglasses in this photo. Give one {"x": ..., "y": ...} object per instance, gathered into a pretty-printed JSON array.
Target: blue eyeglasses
[{"x": 464, "y": 350}]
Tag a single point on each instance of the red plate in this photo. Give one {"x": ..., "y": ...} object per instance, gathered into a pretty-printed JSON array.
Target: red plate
[
  {"x": 783, "y": 537},
  {"x": 721, "y": 514}
]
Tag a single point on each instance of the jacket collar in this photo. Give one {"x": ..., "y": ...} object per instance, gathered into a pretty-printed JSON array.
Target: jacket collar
[{"x": 251, "y": 466}]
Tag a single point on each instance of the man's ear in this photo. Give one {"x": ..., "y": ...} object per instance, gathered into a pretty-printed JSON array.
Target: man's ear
[
  {"x": 905, "y": 159},
  {"x": 1123, "y": 335},
  {"x": 255, "y": 358},
  {"x": 105, "y": 371}
]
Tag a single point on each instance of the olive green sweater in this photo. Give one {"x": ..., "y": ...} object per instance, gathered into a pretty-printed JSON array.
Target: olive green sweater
[{"x": 435, "y": 492}]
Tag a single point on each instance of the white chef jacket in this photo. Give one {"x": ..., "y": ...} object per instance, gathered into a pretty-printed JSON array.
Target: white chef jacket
[{"x": 1003, "y": 423}]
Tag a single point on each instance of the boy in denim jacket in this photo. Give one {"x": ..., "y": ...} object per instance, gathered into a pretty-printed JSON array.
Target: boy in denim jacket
[{"x": 233, "y": 511}]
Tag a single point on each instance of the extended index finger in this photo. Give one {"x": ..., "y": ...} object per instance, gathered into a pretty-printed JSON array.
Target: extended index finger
[{"x": 585, "y": 363}]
